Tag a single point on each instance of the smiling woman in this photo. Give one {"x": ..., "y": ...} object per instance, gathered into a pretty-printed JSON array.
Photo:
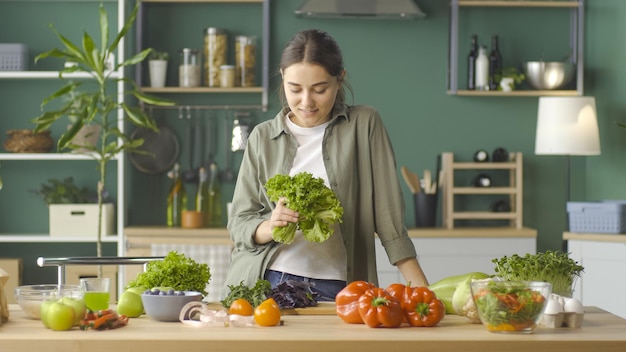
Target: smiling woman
[{"x": 345, "y": 147}]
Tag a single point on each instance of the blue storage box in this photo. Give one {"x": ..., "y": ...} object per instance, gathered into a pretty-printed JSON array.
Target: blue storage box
[{"x": 597, "y": 217}]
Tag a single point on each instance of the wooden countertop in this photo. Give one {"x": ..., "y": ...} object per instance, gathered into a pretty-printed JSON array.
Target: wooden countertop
[
  {"x": 156, "y": 232},
  {"x": 601, "y": 237},
  {"x": 601, "y": 331}
]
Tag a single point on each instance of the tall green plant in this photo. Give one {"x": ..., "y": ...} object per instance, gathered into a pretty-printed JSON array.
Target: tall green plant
[{"x": 98, "y": 106}]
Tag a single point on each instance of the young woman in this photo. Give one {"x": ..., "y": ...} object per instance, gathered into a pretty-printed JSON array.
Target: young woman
[{"x": 347, "y": 146}]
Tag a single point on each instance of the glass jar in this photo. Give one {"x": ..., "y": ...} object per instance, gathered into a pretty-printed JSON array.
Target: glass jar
[
  {"x": 215, "y": 52},
  {"x": 245, "y": 58},
  {"x": 227, "y": 76},
  {"x": 189, "y": 68}
]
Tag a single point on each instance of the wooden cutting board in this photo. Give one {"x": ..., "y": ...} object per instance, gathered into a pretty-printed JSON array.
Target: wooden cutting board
[{"x": 322, "y": 308}]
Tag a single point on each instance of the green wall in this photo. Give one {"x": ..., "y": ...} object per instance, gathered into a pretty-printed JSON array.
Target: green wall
[{"x": 399, "y": 67}]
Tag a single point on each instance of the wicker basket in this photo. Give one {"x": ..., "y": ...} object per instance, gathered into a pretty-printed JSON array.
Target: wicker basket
[{"x": 26, "y": 141}]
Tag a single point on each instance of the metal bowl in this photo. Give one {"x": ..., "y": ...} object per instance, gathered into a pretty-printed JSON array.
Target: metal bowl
[{"x": 546, "y": 75}]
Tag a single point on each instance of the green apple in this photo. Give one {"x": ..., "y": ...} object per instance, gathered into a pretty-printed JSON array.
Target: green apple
[
  {"x": 79, "y": 308},
  {"x": 138, "y": 289},
  {"x": 130, "y": 304},
  {"x": 43, "y": 311},
  {"x": 60, "y": 316}
]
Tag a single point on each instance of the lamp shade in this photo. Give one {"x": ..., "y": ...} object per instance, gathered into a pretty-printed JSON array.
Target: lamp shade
[{"x": 567, "y": 126}]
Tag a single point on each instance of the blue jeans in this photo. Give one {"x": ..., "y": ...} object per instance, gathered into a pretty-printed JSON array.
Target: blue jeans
[{"x": 326, "y": 289}]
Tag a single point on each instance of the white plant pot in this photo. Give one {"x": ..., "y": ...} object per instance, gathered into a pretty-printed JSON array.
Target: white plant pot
[
  {"x": 80, "y": 220},
  {"x": 87, "y": 136},
  {"x": 158, "y": 72}
]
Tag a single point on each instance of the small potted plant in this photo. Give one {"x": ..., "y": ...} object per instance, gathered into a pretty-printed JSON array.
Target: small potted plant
[
  {"x": 86, "y": 138},
  {"x": 157, "y": 62},
  {"x": 74, "y": 209},
  {"x": 509, "y": 78}
]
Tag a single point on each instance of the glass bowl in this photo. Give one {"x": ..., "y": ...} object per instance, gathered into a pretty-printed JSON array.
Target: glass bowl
[
  {"x": 30, "y": 297},
  {"x": 510, "y": 306}
]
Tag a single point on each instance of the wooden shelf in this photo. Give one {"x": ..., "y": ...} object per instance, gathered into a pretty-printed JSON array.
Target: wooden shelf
[
  {"x": 513, "y": 191},
  {"x": 202, "y": 90},
  {"x": 515, "y": 93},
  {"x": 521, "y": 3},
  {"x": 47, "y": 75},
  {"x": 45, "y": 238}
]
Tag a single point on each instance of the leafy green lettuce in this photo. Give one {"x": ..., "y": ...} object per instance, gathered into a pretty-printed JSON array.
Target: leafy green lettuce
[
  {"x": 175, "y": 271},
  {"x": 317, "y": 206}
]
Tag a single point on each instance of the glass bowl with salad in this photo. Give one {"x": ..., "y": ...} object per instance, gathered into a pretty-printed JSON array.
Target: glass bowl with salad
[{"x": 510, "y": 306}]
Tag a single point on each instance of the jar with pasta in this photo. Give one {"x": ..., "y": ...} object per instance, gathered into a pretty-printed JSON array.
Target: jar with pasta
[
  {"x": 216, "y": 53},
  {"x": 245, "y": 60}
]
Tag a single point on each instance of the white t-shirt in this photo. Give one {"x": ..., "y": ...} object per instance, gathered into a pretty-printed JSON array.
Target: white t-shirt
[{"x": 325, "y": 260}]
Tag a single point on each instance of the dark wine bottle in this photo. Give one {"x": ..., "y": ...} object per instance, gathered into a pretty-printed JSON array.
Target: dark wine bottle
[
  {"x": 471, "y": 63},
  {"x": 495, "y": 64}
]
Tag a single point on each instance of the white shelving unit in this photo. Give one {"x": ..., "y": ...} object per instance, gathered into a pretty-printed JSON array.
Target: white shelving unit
[{"x": 55, "y": 156}]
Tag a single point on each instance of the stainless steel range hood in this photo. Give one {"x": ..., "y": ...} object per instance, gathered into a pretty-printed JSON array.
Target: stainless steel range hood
[{"x": 368, "y": 9}]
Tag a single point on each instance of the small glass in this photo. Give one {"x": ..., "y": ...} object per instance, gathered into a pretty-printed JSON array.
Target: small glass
[{"x": 97, "y": 294}]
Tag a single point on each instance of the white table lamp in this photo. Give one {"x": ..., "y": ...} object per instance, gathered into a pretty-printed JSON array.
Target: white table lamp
[{"x": 567, "y": 126}]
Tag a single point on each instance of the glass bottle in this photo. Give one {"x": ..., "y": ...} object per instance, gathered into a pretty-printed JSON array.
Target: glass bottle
[
  {"x": 482, "y": 69},
  {"x": 495, "y": 64},
  {"x": 471, "y": 63},
  {"x": 202, "y": 195},
  {"x": 176, "y": 198},
  {"x": 215, "y": 198}
]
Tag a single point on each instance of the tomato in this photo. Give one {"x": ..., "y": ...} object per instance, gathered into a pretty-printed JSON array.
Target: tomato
[
  {"x": 267, "y": 313},
  {"x": 241, "y": 307}
]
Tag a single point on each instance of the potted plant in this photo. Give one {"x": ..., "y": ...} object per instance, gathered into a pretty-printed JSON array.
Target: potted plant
[
  {"x": 509, "y": 78},
  {"x": 99, "y": 106},
  {"x": 86, "y": 138},
  {"x": 74, "y": 209},
  {"x": 158, "y": 68}
]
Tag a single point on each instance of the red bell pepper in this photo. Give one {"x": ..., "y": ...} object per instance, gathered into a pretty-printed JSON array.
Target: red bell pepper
[
  {"x": 347, "y": 301},
  {"x": 422, "y": 307},
  {"x": 378, "y": 308}
]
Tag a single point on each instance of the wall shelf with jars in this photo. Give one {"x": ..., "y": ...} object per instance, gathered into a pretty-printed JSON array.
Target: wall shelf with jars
[
  {"x": 223, "y": 47},
  {"x": 526, "y": 12}
]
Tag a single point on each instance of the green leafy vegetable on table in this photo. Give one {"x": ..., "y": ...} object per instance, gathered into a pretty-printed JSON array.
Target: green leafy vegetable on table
[
  {"x": 255, "y": 295},
  {"x": 554, "y": 267},
  {"x": 175, "y": 271},
  {"x": 317, "y": 206}
]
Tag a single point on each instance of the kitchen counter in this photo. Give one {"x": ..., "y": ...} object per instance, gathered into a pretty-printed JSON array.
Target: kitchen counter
[
  {"x": 159, "y": 233},
  {"x": 601, "y": 331},
  {"x": 600, "y": 237}
]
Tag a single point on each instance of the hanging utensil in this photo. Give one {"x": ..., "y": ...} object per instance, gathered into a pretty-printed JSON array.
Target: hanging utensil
[
  {"x": 190, "y": 175},
  {"x": 159, "y": 150},
  {"x": 227, "y": 174},
  {"x": 241, "y": 130}
]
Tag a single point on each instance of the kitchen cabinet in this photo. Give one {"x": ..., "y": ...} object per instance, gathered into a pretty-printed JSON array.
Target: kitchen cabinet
[
  {"x": 576, "y": 32},
  {"x": 444, "y": 252},
  {"x": 148, "y": 39},
  {"x": 22, "y": 172},
  {"x": 508, "y": 209},
  {"x": 603, "y": 257}
]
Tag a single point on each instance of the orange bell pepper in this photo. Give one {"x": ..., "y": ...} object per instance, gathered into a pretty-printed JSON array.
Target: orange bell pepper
[
  {"x": 378, "y": 308},
  {"x": 422, "y": 307},
  {"x": 347, "y": 301}
]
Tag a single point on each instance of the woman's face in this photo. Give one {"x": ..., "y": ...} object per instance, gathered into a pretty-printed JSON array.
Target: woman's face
[{"x": 310, "y": 93}]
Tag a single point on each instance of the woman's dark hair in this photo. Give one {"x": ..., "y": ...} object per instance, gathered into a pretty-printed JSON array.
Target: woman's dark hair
[{"x": 316, "y": 47}]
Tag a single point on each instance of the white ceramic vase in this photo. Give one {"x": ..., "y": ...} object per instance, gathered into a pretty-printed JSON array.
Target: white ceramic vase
[{"x": 158, "y": 72}]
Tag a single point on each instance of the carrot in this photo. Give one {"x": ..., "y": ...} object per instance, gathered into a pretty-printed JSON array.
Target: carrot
[{"x": 104, "y": 320}]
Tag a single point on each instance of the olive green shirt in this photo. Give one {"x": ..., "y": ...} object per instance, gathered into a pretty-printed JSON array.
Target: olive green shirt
[{"x": 361, "y": 168}]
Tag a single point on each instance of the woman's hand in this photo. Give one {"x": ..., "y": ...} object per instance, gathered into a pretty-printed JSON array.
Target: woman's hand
[{"x": 281, "y": 216}]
